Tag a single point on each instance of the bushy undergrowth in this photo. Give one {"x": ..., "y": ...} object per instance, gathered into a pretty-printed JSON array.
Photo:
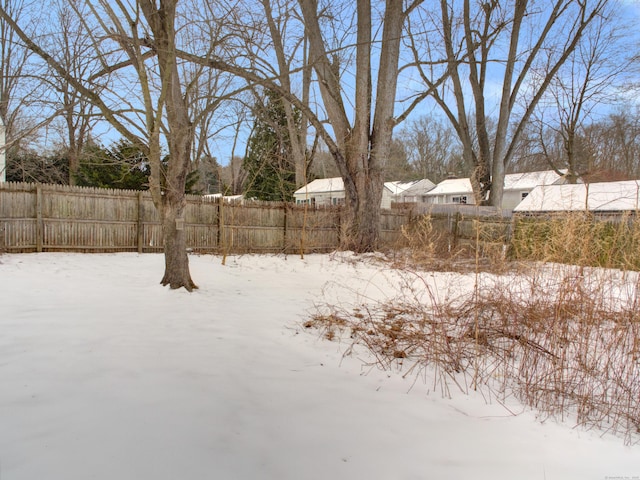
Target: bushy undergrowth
[
  {"x": 426, "y": 243},
  {"x": 579, "y": 239},
  {"x": 562, "y": 342},
  {"x": 563, "y": 339}
]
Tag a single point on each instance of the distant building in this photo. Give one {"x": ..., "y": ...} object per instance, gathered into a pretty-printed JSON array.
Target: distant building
[
  {"x": 411, "y": 192},
  {"x": 227, "y": 198},
  {"x": 516, "y": 188},
  {"x": 330, "y": 191},
  {"x": 606, "y": 197},
  {"x": 451, "y": 190}
]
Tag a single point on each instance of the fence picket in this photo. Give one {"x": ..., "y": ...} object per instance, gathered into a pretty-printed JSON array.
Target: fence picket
[{"x": 39, "y": 217}]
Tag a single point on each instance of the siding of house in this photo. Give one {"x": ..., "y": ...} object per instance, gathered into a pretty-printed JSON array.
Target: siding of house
[
  {"x": 386, "y": 198},
  {"x": 512, "y": 198},
  {"x": 452, "y": 198},
  {"x": 335, "y": 196},
  {"x": 515, "y": 185},
  {"x": 325, "y": 198}
]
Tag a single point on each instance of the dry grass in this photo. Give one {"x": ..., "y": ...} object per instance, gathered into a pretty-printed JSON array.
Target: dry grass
[
  {"x": 428, "y": 243},
  {"x": 563, "y": 339},
  {"x": 579, "y": 239}
]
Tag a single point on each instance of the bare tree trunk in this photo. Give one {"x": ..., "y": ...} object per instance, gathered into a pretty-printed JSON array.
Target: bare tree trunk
[
  {"x": 176, "y": 261},
  {"x": 161, "y": 21},
  {"x": 359, "y": 151},
  {"x": 474, "y": 36},
  {"x": 297, "y": 133}
]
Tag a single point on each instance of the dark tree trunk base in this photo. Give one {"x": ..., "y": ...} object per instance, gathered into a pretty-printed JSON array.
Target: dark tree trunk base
[
  {"x": 176, "y": 260},
  {"x": 175, "y": 284},
  {"x": 176, "y": 273}
]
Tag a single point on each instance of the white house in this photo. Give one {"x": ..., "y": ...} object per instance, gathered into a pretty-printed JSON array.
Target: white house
[
  {"x": 227, "y": 198},
  {"x": 516, "y": 187},
  {"x": 413, "y": 191},
  {"x": 594, "y": 197},
  {"x": 3, "y": 157},
  {"x": 330, "y": 191},
  {"x": 451, "y": 190}
]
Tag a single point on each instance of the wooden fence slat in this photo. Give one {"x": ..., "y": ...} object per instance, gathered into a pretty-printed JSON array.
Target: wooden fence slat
[
  {"x": 58, "y": 218},
  {"x": 139, "y": 224},
  {"x": 39, "y": 220}
]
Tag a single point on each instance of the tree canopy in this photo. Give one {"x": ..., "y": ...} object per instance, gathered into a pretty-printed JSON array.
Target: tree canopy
[{"x": 271, "y": 172}]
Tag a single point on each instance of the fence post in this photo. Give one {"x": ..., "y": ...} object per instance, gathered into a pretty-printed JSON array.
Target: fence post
[
  {"x": 39, "y": 221},
  {"x": 140, "y": 226},
  {"x": 219, "y": 233},
  {"x": 456, "y": 229},
  {"x": 284, "y": 234}
]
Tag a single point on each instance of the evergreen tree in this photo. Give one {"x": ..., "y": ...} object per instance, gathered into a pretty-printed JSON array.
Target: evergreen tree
[
  {"x": 29, "y": 166},
  {"x": 123, "y": 166},
  {"x": 271, "y": 173}
]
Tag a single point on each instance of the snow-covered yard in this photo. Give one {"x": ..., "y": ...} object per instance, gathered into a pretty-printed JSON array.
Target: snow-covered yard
[{"x": 104, "y": 374}]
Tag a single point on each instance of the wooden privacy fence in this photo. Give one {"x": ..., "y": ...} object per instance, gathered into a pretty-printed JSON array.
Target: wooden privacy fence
[
  {"x": 470, "y": 229},
  {"x": 38, "y": 217}
]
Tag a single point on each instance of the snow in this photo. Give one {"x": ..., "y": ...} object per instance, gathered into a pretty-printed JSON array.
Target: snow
[
  {"x": 595, "y": 197},
  {"x": 322, "y": 185},
  {"x": 530, "y": 180},
  {"x": 452, "y": 186},
  {"x": 336, "y": 184},
  {"x": 512, "y": 181},
  {"x": 107, "y": 375},
  {"x": 398, "y": 188}
]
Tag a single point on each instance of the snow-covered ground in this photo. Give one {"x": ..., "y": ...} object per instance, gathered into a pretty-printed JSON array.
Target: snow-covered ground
[{"x": 104, "y": 374}]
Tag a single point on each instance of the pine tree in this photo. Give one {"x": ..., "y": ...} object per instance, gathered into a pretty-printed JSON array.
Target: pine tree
[
  {"x": 271, "y": 173},
  {"x": 123, "y": 165}
]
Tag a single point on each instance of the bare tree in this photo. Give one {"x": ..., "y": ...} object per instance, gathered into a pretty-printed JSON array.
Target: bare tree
[
  {"x": 211, "y": 94},
  {"x": 358, "y": 134},
  {"x": 76, "y": 56},
  {"x": 361, "y": 145},
  {"x": 3, "y": 155},
  {"x": 587, "y": 81},
  {"x": 323, "y": 165},
  {"x": 613, "y": 144},
  {"x": 143, "y": 37},
  {"x": 20, "y": 85},
  {"x": 234, "y": 173},
  {"x": 297, "y": 127},
  {"x": 529, "y": 42},
  {"x": 433, "y": 149}
]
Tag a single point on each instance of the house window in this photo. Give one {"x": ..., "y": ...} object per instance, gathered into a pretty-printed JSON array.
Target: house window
[
  {"x": 523, "y": 195},
  {"x": 337, "y": 201},
  {"x": 303, "y": 202},
  {"x": 461, "y": 199}
]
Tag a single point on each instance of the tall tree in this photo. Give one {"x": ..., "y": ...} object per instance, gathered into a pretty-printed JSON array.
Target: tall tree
[
  {"x": 361, "y": 138},
  {"x": 270, "y": 164},
  {"x": 20, "y": 79},
  {"x": 433, "y": 149},
  {"x": 75, "y": 55},
  {"x": 211, "y": 94},
  {"x": 142, "y": 37},
  {"x": 359, "y": 147},
  {"x": 359, "y": 125},
  {"x": 279, "y": 19},
  {"x": 587, "y": 81},
  {"x": 529, "y": 41}
]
